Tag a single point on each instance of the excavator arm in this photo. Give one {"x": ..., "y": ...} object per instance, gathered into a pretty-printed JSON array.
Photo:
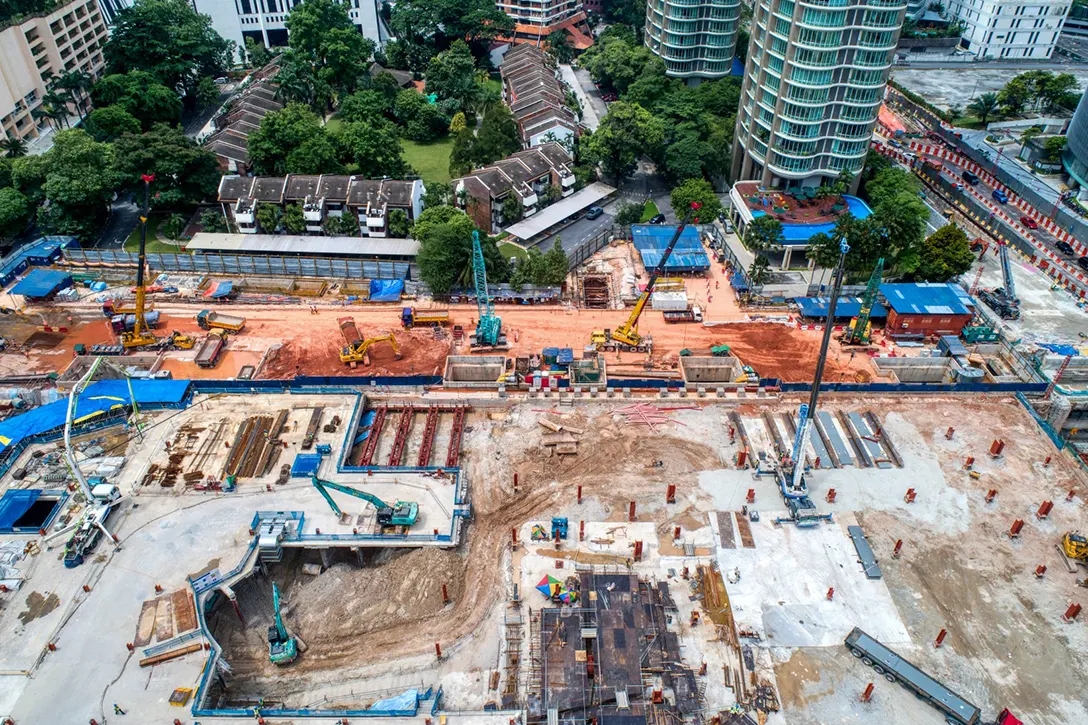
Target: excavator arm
[
  {"x": 627, "y": 333},
  {"x": 322, "y": 486},
  {"x": 400, "y": 513}
]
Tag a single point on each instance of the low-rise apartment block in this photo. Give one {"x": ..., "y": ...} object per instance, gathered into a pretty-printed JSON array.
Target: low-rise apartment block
[
  {"x": 537, "y": 99},
  {"x": 527, "y": 176},
  {"x": 240, "y": 117},
  {"x": 1003, "y": 29},
  {"x": 321, "y": 197},
  {"x": 68, "y": 39}
]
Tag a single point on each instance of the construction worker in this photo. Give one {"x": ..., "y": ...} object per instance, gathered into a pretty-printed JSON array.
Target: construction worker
[{"x": 117, "y": 709}]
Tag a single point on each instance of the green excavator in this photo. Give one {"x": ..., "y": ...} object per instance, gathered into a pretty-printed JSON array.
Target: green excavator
[
  {"x": 401, "y": 513},
  {"x": 282, "y": 648}
]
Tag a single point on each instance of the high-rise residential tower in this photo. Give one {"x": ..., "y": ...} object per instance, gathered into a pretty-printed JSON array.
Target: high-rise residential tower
[
  {"x": 1075, "y": 156},
  {"x": 695, "y": 38},
  {"x": 812, "y": 88}
]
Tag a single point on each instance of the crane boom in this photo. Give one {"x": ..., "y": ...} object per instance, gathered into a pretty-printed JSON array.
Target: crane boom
[
  {"x": 489, "y": 327},
  {"x": 1006, "y": 273},
  {"x": 627, "y": 333},
  {"x": 859, "y": 333}
]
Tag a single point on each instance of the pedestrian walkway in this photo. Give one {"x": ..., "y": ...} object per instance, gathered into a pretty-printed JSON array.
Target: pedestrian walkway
[{"x": 590, "y": 119}]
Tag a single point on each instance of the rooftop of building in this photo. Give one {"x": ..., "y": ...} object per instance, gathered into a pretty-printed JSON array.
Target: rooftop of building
[
  {"x": 927, "y": 298},
  {"x": 802, "y": 214}
]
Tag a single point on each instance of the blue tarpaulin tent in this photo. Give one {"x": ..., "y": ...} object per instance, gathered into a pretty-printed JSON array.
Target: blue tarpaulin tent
[
  {"x": 687, "y": 256},
  {"x": 98, "y": 399},
  {"x": 407, "y": 700},
  {"x": 42, "y": 283},
  {"x": 306, "y": 465},
  {"x": 1061, "y": 349},
  {"x": 14, "y": 504},
  {"x": 386, "y": 290}
]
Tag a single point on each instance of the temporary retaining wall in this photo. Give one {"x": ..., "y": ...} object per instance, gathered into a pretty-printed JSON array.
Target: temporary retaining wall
[
  {"x": 474, "y": 371},
  {"x": 915, "y": 369},
  {"x": 710, "y": 370}
]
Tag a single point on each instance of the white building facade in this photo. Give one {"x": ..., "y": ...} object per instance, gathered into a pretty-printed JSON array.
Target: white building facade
[
  {"x": 265, "y": 20},
  {"x": 813, "y": 84},
  {"x": 1003, "y": 29}
]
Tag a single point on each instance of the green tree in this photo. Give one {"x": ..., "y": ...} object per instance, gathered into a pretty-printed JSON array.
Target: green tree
[
  {"x": 14, "y": 212},
  {"x": 293, "y": 220},
  {"x": 398, "y": 224},
  {"x": 437, "y": 194},
  {"x": 269, "y": 218},
  {"x": 173, "y": 226},
  {"x": 698, "y": 191},
  {"x": 498, "y": 136},
  {"x": 628, "y": 213},
  {"x": 366, "y": 106},
  {"x": 419, "y": 119},
  {"x": 1053, "y": 147},
  {"x": 458, "y": 123},
  {"x": 618, "y": 59},
  {"x": 452, "y": 74},
  {"x": 625, "y": 134},
  {"x": 558, "y": 44},
  {"x": 555, "y": 264},
  {"x": 372, "y": 147},
  {"x": 168, "y": 39},
  {"x": 346, "y": 225},
  {"x": 138, "y": 93},
  {"x": 1016, "y": 94},
  {"x": 629, "y": 14},
  {"x": 110, "y": 123},
  {"x": 1052, "y": 88},
  {"x": 13, "y": 147},
  {"x": 432, "y": 25},
  {"x": 317, "y": 155},
  {"x": 759, "y": 273},
  {"x": 527, "y": 268},
  {"x": 207, "y": 92},
  {"x": 212, "y": 221},
  {"x": 512, "y": 209},
  {"x": 322, "y": 33},
  {"x": 76, "y": 178},
  {"x": 945, "y": 254},
  {"x": 257, "y": 55},
  {"x": 445, "y": 250},
  {"x": 764, "y": 233},
  {"x": 300, "y": 81},
  {"x": 984, "y": 106},
  {"x": 280, "y": 133},
  {"x": 185, "y": 174}
]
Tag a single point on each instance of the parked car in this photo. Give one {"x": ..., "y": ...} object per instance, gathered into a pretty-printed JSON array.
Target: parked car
[
  {"x": 999, "y": 196},
  {"x": 1065, "y": 248},
  {"x": 657, "y": 219},
  {"x": 594, "y": 212},
  {"x": 970, "y": 177},
  {"x": 1083, "y": 262},
  {"x": 1029, "y": 222}
]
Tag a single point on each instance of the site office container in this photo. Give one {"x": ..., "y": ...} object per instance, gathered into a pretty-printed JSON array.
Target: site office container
[{"x": 930, "y": 325}]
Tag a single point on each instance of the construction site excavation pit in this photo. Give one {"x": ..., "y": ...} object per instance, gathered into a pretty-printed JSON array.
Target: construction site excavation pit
[
  {"x": 474, "y": 371},
  {"x": 629, "y": 537}
]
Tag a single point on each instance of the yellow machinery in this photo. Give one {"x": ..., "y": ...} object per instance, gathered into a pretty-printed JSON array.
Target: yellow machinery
[
  {"x": 1075, "y": 546},
  {"x": 626, "y": 337},
  {"x": 182, "y": 341},
  {"x": 357, "y": 353},
  {"x": 141, "y": 335}
]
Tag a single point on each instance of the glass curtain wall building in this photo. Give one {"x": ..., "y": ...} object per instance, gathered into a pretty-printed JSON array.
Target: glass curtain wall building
[
  {"x": 695, "y": 38},
  {"x": 812, "y": 88}
]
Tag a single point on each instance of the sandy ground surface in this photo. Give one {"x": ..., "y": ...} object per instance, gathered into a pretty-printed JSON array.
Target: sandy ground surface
[{"x": 309, "y": 343}]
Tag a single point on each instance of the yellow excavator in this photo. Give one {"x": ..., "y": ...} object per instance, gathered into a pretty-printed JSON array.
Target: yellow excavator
[
  {"x": 1075, "y": 547},
  {"x": 141, "y": 336},
  {"x": 626, "y": 337},
  {"x": 356, "y": 353}
]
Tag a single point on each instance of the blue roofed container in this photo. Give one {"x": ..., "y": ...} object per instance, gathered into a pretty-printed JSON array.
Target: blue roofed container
[{"x": 926, "y": 309}]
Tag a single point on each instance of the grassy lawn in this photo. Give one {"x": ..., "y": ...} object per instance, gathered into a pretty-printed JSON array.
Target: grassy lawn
[
  {"x": 649, "y": 211},
  {"x": 430, "y": 160},
  {"x": 154, "y": 246},
  {"x": 512, "y": 250},
  {"x": 333, "y": 124},
  {"x": 969, "y": 122}
]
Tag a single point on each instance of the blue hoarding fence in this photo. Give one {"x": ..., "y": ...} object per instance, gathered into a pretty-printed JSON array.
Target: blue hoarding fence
[{"x": 241, "y": 264}]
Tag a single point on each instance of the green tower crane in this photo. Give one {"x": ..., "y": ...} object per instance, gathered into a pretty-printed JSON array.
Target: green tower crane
[{"x": 860, "y": 327}]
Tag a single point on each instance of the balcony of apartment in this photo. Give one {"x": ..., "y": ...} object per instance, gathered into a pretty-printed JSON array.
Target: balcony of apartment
[
  {"x": 31, "y": 35},
  {"x": 825, "y": 3},
  {"x": 374, "y": 216},
  {"x": 245, "y": 216}
]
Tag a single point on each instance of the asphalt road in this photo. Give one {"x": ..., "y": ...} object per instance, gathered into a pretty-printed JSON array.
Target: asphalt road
[
  {"x": 952, "y": 173},
  {"x": 580, "y": 231},
  {"x": 124, "y": 216}
]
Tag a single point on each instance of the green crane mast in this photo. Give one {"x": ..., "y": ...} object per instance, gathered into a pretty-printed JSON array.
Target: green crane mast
[{"x": 860, "y": 327}]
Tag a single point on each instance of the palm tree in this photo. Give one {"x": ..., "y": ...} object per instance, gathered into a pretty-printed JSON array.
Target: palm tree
[
  {"x": 984, "y": 106},
  {"x": 55, "y": 106},
  {"x": 759, "y": 273},
  {"x": 76, "y": 85},
  {"x": 13, "y": 147},
  {"x": 558, "y": 44}
]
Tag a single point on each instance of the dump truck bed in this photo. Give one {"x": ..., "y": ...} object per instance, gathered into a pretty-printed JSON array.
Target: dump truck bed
[{"x": 207, "y": 354}]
